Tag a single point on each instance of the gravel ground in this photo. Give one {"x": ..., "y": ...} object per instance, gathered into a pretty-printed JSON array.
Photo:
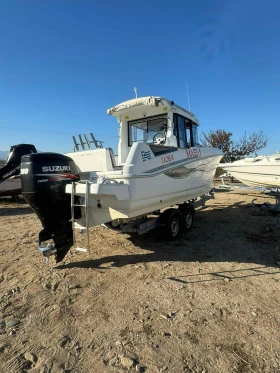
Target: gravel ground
[{"x": 207, "y": 302}]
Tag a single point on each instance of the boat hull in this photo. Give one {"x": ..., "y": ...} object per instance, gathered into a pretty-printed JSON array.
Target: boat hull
[
  {"x": 10, "y": 187},
  {"x": 265, "y": 172},
  {"x": 140, "y": 190}
]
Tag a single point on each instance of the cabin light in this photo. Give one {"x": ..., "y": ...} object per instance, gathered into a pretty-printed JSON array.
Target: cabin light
[
  {"x": 165, "y": 108},
  {"x": 126, "y": 117}
]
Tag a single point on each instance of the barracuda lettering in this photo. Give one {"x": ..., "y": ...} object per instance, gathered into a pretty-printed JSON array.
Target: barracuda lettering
[{"x": 55, "y": 168}]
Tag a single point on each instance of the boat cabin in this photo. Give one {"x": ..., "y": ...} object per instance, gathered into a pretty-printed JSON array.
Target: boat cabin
[{"x": 155, "y": 121}]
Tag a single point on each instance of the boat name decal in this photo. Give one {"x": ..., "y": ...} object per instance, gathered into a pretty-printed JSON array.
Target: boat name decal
[
  {"x": 146, "y": 155},
  {"x": 55, "y": 168},
  {"x": 193, "y": 153},
  {"x": 167, "y": 158}
]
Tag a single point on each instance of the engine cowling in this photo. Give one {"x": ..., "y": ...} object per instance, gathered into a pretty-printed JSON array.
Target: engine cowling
[
  {"x": 12, "y": 166},
  {"x": 44, "y": 177}
]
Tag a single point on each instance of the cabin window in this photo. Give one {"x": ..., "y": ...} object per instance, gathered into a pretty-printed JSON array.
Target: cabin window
[
  {"x": 195, "y": 135},
  {"x": 147, "y": 129},
  {"x": 189, "y": 134},
  {"x": 181, "y": 137},
  {"x": 184, "y": 130}
]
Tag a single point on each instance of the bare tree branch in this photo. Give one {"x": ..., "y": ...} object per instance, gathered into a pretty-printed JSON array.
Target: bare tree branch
[{"x": 234, "y": 150}]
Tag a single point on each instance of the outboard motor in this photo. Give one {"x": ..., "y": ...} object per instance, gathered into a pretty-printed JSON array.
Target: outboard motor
[
  {"x": 44, "y": 177},
  {"x": 12, "y": 166}
]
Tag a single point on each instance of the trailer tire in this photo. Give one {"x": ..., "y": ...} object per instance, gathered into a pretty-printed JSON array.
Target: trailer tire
[
  {"x": 170, "y": 223},
  {"x": 188, "y": 213},
  {"x": 15, "y": 198}
]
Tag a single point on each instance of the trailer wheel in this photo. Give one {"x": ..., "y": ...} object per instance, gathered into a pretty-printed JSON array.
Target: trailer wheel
[
  {"x": 170, "y": 224},
  {"x": 188, "y": 212},
  {"x": 15, "y": 198}
]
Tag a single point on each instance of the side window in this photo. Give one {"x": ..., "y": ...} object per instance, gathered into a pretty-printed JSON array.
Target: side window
[
  {"x": 181, "y": 133},
  {"x": 185, "y": 131},
  {"x": 195, "y": 134},
  {"x": 189, "y": 133}
]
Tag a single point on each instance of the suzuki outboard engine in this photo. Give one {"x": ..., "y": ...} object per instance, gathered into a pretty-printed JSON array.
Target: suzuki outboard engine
[
  {"x": 12, "y": 166},
  {"x": 44, "y": 177}
]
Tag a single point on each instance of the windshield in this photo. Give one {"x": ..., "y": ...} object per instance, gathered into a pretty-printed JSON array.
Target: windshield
[{"x": 147, "y": 129}]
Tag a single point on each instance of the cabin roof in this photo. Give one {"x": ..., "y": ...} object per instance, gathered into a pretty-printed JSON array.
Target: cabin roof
[{"x": 151, "y": 101}]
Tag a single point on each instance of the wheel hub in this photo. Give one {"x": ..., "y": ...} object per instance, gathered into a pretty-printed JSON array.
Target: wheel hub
[{"x": 174, "y": 227}]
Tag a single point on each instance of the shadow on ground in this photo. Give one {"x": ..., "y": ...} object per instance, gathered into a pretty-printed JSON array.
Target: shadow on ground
[
  {"x": 8, "y": 207},
  {"x": 222, "y": 233}
]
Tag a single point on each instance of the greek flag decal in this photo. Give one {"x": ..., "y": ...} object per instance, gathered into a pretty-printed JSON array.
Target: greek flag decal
[{"x": 146, "y": 155}]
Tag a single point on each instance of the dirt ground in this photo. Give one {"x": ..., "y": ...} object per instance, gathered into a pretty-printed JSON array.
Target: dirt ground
[{"x": 206, "y": 303}]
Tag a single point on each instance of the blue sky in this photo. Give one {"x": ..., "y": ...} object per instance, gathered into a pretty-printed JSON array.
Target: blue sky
[{"x": 64, "y": 62}]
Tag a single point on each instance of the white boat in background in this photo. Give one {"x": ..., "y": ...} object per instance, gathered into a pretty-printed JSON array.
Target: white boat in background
[
  {"x": 260, "y": 171},
  {"x": 10, "y": 183},
  {"x": 11, "y": 187},
  {"x": 160, "y": 164}
]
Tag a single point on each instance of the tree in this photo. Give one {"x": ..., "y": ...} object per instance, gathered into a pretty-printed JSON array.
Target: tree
[{"x": 234, "y": 150}]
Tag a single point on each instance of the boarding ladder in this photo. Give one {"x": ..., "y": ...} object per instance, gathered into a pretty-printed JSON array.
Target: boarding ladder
[{"x": 85, "y": 205}]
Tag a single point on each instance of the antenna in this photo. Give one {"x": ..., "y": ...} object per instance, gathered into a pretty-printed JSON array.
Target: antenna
[
  {"x": 135, "y": 90},
  {"x": 188, "y": 96}
]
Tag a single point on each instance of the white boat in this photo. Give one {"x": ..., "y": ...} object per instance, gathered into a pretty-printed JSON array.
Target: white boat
[
  {"x": 260, "y": 171},
  {"x": 11, "y": 186},
  {"x": 10, "y": 183},
  {"x": 160, "y": 164}
]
